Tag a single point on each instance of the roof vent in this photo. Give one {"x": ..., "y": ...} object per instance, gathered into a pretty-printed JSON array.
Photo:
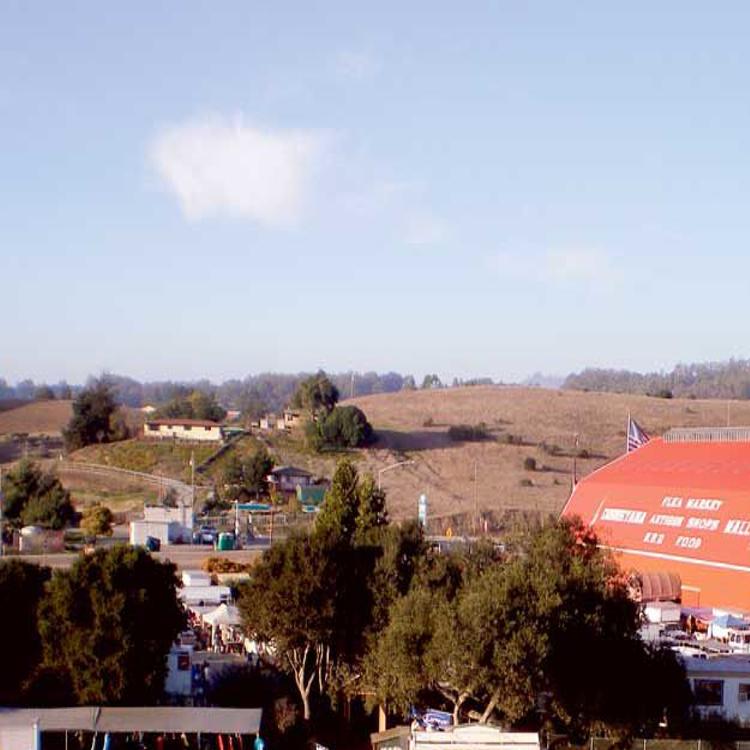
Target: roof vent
[{"x": 707, "y": 435}]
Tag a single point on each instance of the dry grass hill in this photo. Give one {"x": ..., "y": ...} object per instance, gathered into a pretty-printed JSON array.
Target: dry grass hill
[
  {"x": 413, "y": 425},
  {"x": 37, "y": 418}
]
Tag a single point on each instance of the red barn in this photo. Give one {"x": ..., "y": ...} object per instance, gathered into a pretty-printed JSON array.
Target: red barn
[{"x": 679, "y": 504}]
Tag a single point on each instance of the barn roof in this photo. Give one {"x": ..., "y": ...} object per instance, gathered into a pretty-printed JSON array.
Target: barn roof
[{"x": 684, "y": 500}]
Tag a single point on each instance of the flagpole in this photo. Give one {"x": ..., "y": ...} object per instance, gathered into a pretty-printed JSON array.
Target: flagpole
[{"x": 627, "y": 434}]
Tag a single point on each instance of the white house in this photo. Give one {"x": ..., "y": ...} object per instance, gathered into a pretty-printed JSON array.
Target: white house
[
  {"x": 198, "y": 430},
  {"x": 721, "y": 686}
]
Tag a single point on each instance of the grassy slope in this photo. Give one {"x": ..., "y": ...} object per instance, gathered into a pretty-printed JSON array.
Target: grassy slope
[
  {"x": 37, "y": 418},
  {"x": 152, "y": 457},
  {"x": 445, "y": 470}
]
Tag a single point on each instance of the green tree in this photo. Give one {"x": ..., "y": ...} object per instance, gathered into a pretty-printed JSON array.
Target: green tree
[
  {"x": 352, "y": 507},
  {"x": 515, "y": 632},
  {"x": 196, "y": 405},
  {"x": 299, "y": 600},
  {"x": 92, "y": 412},
  {"x": 316, "y": 394},
  {"x": 345, "y": 427},
  {"x": 431, "y": 381},
  {"x": 107, "y": 625},
  {"x": 247, "y": 475},
  {"x": 256, "y": 468},
  {"x": 21, "y": 590},
  {"x": 35, "y": 497},
  {"x": 97, "y": 521}
]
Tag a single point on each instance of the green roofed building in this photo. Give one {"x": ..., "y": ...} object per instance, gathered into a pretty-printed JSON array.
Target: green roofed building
[{"x": 311, "y": 495}]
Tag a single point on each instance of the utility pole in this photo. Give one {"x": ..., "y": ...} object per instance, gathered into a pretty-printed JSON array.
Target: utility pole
[
  {"x": 351, "y": 392},
  {"x": 476, "y": 499},
  {"x": 192, "y": 477}
]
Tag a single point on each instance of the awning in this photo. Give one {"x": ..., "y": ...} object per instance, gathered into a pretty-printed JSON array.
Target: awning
[
  {"x": 224, "y": 614},
  {"x": 137, "y": 719},
  {"x": 660, "y": 586}
]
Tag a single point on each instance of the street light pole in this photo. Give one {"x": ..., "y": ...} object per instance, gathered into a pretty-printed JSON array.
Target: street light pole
[{"x": 392, "y": 466}]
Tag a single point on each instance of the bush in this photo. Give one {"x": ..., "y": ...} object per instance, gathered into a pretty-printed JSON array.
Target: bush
[
  {"x": 469, "y": 433},
  {"x": 529, "y": 463},
  {"x": 526, "y": 483},
  {"x": 429, "y": 422},
  {"x": 344, "y": 427}
]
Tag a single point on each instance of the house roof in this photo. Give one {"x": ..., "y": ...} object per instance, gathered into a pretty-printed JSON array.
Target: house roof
[
  {"x": 182, "y": 423},
  {"x": 290, "y": 471}
]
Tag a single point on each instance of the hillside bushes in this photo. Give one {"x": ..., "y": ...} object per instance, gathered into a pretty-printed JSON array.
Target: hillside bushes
[{"x": 469, "y": 433}]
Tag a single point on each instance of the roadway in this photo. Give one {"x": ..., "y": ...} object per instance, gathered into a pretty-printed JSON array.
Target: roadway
[{"x": 184, "y": 556}]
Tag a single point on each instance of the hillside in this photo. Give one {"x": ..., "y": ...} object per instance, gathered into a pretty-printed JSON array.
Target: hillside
[
  {"x": 37, "y": 418},
  {"x": 445, "y": 470},
  {"x": 413, "y": 426}
]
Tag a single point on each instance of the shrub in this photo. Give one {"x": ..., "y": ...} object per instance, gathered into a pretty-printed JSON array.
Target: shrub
[
  {"x": 429, "y": 422},
  {"x": 344, "y": 427},
  {"x": 529, "y": 463},
  {"x": 526, "y": 483},
  {"x": 469, "y": 433}
]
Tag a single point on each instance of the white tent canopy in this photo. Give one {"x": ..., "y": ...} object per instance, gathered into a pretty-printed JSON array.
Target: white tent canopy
[{"x": 224, "y": 614}]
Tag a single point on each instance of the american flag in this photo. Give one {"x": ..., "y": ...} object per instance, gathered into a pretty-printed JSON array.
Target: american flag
[{"x": 637, "y": 436}]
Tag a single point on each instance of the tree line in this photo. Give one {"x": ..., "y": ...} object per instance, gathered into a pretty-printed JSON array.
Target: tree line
[{"x": 726, "y": 380}]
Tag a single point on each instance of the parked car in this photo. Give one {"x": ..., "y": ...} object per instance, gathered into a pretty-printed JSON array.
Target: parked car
[{"x": 205, "y": 535}]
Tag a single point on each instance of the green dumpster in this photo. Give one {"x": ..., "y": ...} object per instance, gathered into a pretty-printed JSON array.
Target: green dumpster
[{"x": 225, "y": 541}]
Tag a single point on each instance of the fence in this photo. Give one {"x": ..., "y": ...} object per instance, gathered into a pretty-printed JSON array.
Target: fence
[{"x": 182, "y": 489}]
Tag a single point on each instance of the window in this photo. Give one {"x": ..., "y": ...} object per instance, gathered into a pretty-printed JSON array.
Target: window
[
  {"x": 744, "y": 692},
  {"x": 709, "y": 692}
]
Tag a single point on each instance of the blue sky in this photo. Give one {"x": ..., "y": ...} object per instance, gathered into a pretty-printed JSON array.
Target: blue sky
[{"x": 212, "y": 189}]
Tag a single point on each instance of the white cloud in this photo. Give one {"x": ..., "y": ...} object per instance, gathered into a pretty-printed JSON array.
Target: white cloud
[
  {"x": 220, "y": 167},
  {"x": 583, "y": 266}
]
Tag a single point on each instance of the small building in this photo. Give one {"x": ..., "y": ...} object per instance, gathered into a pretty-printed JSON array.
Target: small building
[
  {"x": 288, "y": 478},
  {"x": 179, "y": 681},
  {"x": 168, "y": 525},
  {"x": 194, "y": 430},
  {"x": 292, "y": 419},
  {"x": 721, "y": 686}
]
